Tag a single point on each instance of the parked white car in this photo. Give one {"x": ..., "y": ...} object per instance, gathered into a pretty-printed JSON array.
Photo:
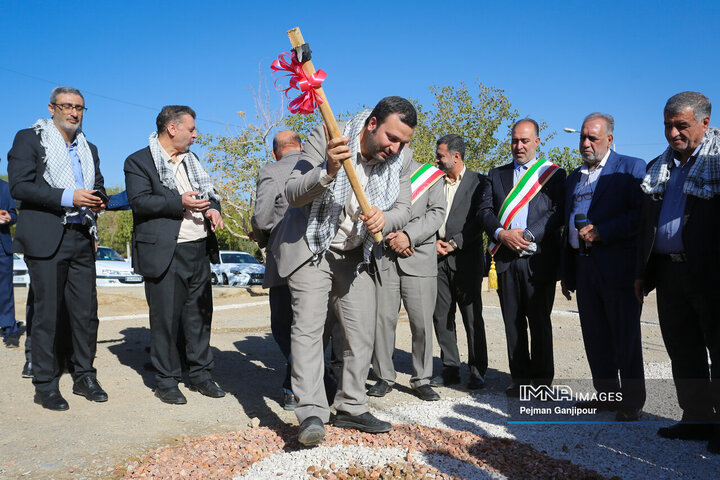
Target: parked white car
[
  {"x": 21, "y": 276},
  {"x": 237, "y": 268},
  {"x": 112, "y": 269}
]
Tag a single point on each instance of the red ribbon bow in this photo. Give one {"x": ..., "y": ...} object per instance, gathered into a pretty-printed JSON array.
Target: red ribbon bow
[{"x": 309, "y": 99}]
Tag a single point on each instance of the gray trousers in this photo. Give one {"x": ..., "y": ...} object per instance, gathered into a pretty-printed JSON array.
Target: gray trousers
[
  {"x": 331, "y": 279},
  {"x": 418, "y": 294}
]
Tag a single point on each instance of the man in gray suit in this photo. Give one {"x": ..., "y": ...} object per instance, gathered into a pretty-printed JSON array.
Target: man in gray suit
[
  {"x": 409, "y": 271},
  {"x": 325, "y": 248},
  {"x": 270, "y": 207}
]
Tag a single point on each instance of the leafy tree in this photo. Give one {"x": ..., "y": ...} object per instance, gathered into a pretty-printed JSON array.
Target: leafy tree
[
  {"x": 565, "y": 157},
  {"x": 477, "y": 119},
  {"x": 234, "y": 160},
  {"x": 483, "y": 120}
]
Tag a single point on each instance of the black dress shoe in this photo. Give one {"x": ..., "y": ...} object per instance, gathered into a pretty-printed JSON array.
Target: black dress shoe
[
  {"x": 687, "y": 431},
  {"x": 380, "y": 389},
  {"x": 311, "y": 432},
  {"x": 89, "y": 388},
  {"x": 476, "y": 382},
  {"x": 208, "y": 388},
  {"x": 365, "y": 422},
  {"x": 171, "y": 395},
  {"x": 513, "y": 390},
  {"x": 12, "y": 340},
  {"x": 628, "y": 414},
  {"x": 51, "y": 400},
  {"x": 289, "y": 402},
  {"x": 27, "y": 371},
  {"x": 426, "y": 393},
  {"x": 448, "y": 377},
  {"x": 600, "y": 405}
]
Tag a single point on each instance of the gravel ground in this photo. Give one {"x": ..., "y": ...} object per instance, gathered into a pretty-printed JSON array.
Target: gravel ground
[{"x": 407, "y": 452}]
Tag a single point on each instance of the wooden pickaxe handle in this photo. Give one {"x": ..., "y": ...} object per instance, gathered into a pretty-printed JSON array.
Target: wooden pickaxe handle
[{"x": 296, "y": 40}]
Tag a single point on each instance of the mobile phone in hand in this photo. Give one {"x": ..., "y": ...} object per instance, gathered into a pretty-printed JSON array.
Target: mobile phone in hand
[{"x": 105, "y": 199}]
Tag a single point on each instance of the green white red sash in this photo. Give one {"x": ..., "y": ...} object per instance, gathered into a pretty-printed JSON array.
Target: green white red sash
[
  {"x": 524, "y": 191},
  {"x": 422, "y": 179}
]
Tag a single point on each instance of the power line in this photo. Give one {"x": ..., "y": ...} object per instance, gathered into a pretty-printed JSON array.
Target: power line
[{"x": 113, "y": 99}]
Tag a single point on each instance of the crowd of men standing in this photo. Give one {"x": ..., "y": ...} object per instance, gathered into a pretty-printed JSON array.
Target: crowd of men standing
[{"x": 610, "y": 231}]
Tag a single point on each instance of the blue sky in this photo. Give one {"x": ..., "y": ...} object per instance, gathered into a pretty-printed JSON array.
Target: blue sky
[{"x": 555, "y": 61}]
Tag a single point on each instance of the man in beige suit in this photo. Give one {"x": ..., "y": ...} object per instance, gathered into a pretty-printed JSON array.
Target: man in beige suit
[
  {"x": 409, "y": 272},
  {"x": 325, "y": 248}
]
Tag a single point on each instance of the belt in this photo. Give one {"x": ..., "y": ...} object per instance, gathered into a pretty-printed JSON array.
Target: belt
[
  {"x": 672, "y": 257},
  {"x": 76, "y": 226}
]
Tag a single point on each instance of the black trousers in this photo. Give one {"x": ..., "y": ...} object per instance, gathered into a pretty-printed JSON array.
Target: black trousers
[
  {"x": 182, "y": 295},
  {"x": 64, "y": 286},
  {"x": 526, "y": 303},
  {"x": 610, "y": 322},
  {"x": 689, "y": 314},
  {"x": 464, "y": 292},
  {"x": 281, "y": 316}
]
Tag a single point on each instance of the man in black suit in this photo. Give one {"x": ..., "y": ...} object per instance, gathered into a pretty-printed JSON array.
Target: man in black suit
[
  {"x": 679, "y": 256},
  {"x": 54, "y": 171},
  {"x": 526, "y": 245},
  {"x": 175, "y": 214},
  {"x": 599, "y": 262},
  {"x": 459, "y": 248}
]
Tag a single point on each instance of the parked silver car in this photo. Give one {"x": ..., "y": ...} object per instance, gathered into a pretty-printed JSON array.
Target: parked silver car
[
  {"x": 111, "y": 269},
  {"x": 237, "y": 268}
]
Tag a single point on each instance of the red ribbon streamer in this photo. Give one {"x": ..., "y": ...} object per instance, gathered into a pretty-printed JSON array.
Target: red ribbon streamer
[{"x": 309, "y": 99}]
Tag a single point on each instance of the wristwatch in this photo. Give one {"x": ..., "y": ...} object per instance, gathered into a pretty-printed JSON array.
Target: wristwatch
[{"x": 453, "y": 244}]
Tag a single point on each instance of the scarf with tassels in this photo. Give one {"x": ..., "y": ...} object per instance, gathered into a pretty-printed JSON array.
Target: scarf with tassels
[
  {"x": 703, "y": 180},
  {"x": 59, "y": 171}
]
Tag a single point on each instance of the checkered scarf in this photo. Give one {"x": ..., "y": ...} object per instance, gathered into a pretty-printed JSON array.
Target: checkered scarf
[
  {"x": 59, "y": 171},
  {"x": 382, "y": 191},
  {"x": 199, "y": 179},
  {"x": 703, "y": 180}
]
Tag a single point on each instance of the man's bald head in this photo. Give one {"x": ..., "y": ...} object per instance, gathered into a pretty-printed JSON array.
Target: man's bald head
[{"x": 284, "y": 142}]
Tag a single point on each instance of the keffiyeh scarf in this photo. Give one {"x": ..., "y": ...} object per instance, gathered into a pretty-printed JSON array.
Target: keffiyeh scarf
[
  {"x": 703, "y": 180},
  {"x": 382, "y": 191},
  {"x": 59, "y": 171},
  {"x": 199, "y": 179}
]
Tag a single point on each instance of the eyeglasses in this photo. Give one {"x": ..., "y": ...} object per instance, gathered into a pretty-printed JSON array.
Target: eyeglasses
[{"x": 66, "y": 107}]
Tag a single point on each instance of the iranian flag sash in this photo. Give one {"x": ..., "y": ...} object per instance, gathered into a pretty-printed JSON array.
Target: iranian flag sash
[
  {"x": 525, "y": 190},
  {"x": 423, "y": 178}
]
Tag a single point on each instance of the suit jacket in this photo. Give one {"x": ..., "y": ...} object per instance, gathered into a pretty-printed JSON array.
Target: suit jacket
[
  {"x": 270, "y": 208},
  {"x": 615, "y": 212},
  {"x": 545, "y": 213},
  {"x": 463, "y": 227},
  {"x": 157, "y": 215},
  {"x": 700, "y": 235},
  {"x": 426, "y": 216},
  {"x": 8, "y": 204},
  {"x": 290, "y": 248},
  {"x": 39, "y": 229}
]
